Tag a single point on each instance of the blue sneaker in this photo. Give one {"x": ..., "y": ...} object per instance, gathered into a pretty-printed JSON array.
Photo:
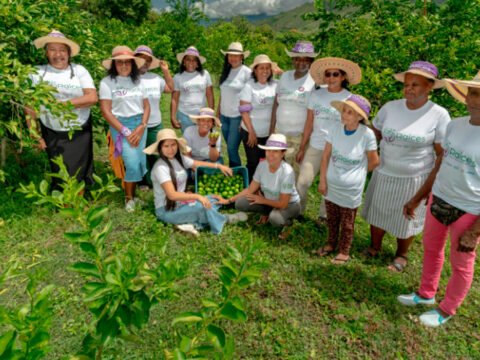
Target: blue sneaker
[
  {"x": 413, "y": 300},
  {"x": 433, "y": 318}
]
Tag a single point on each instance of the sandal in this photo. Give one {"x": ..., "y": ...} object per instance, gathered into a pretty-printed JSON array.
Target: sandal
[
  {"x": 370, "y": 253},
  {"x": 263, "y": 220},
  {"x": 324, "y": 251},
  {"x": 339, "y": 261},
  {"x": 285, "y": 233},
  {"x": 398, "y": 266}
]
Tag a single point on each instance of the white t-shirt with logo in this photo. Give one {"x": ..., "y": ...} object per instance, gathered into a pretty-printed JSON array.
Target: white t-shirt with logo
[
  {"x": 281, "y": 181},
  {"x": 161, "y": 174},
  {"x": 458, "y": 180},
  {"x": 261, "y": 96},
  {"x": 292, "y": 97},
  {"x": 408, "y": 136},
  {"x": 154, "y": 86},
  {"x": 192, "y": 87},
  {"x": 68, "y": 88},
  {"x": 324, "y": 114},
  {"x": 347, "y": 169},
  {"x": 231, "y": 88},
  {"x": 200, "y": 145},
  {"x": 127, "y": 96}
]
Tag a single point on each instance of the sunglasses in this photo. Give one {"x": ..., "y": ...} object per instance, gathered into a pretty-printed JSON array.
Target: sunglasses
[{"x": 332, "y": 74}]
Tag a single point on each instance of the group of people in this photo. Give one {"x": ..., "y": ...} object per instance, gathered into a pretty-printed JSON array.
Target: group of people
[{"x": 307, "y": 123}]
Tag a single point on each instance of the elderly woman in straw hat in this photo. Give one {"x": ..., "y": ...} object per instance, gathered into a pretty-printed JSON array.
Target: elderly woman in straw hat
[
  {"x": 75, "y": 86},
  {"x": 155, "y": 85},
  {"x": 350, "y": 152},
  {"x": 454, "y": 206},
  {"x": 173, "y": 205},
  {"x": 337, "y": 74},
  {"x": 192, "y": 88},
  {"x": 232, "y": 81},
  {"x": 411, "y": 131},
  {"x": 124, "y": 104},
  {"x": 256, "y": 103},
  {"x": 293, "y": 91}
]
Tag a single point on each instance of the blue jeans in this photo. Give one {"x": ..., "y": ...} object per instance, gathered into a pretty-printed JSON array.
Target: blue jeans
[
  {"x": 194, "y": 213},
  {"x": 184, "y": 120},
  {"x": 231, "y": 134},
  {"x": 134, "y": 159}
]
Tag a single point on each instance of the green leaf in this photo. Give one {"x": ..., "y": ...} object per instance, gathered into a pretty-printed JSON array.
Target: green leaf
[
  {"x": 40, "y": 340},
  {"x": 185, "y": 344},
  {"x": 88, "y": 248},
  {"x": 7, "y": 340},
  {"x": 77, "y": 236},
  {"x": 85, "y": 268},
  {"x": 231, "y": 312},
  {"x": 217, "y": 334},
  {"x": 210, "y": 304},
  {"x": 179, "y": 355},
  {"x": 43, "y": 294},
  {"x": 234, "y": 254},
  {"x": 95, "y": 216},
  {"x": 188, "y": 317},
  {"x": 43, "y": 187}
]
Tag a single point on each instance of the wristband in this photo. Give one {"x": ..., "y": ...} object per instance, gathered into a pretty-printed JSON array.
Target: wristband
[
  {"x": 213, "y": 146},
  {"x": 125, "y": 131},
  {"x": 245, "y": 108}
]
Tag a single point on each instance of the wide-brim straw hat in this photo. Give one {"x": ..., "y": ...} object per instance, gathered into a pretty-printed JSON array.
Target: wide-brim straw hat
[
  {"x": 265, "y": 59},
  {"x": 459, "y": 88},
  {"x": 353, "y": 73},
  {"x": 276, "y": 142},
  {"x": 191, "y": 50},
  {"x": 302, "y": 49},
  {"x": 206, "y": 113},
  {"x": 422, "y": 68},
  {"x": 56, "y": 36},
  {"x": 356, "y": 102},
  {"x": 167, "y": 134},
  {"x": 145, "y": 50},
  {"x": 236, "y": 48},
  {"x": 122, "y": 53}
]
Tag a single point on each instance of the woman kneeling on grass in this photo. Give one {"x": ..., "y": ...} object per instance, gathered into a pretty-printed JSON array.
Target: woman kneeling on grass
[
  {"x": 272, "y": 191},
  {"x": 169, "y": 177},
  {"x": 453, "y": 206},
  {"x": 350, "y": 152}
]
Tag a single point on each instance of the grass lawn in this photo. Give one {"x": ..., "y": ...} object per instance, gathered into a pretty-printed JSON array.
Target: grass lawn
[{"x": 302, "y": 308}]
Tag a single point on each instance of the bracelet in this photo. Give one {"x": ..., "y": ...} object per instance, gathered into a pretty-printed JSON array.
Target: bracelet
[
  {"x": 216, "y": 165},
  {"x": 144, "y": 125},
  {"x": 125, "y": 131}
]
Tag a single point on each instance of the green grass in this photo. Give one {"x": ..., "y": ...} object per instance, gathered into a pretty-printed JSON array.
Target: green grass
[{"x": 302, "y": 308}]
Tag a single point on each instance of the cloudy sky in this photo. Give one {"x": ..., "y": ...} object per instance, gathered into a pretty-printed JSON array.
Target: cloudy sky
[{"x": 229, "y": 8}]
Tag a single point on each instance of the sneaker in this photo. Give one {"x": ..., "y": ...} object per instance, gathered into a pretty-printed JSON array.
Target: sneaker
[
  {"x": 130, "y": 206},
  {"x": 433, "y": 318},
  {"x": 188, "y": 228},
  {"x": 237, "y": 217},
  {"x": 413, "y": 299}
]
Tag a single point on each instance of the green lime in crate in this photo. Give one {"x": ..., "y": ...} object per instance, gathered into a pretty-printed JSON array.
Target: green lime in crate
[{"x": 219, "y": 184}]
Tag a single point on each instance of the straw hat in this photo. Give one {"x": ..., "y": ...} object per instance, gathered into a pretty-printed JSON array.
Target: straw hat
[
  {"x": 122, "y": 53},
  {"x": 302, "y": 49},
  {"x": 357, "y": 103},
  {"x": 276, "y": 142},
  {"x": 236, "y": 48},
  {"x": 206, "y": 113},
  {"x": 56, "y": 36},
  {"x": 191, "y": 50},
  {"x": 167, "y": 134},
  {"x": 459, "y": 88},
  {"x": 264, "y": 59},
  {"x": 352, "y": 70},
  {"x": 422, "y": 68},
  {"x": 145, "y": 50}
]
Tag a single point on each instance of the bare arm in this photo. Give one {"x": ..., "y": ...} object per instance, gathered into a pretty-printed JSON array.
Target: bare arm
[
  {"x": 281, "y": 203},
  {"x": 373, "y": 160},
  {"x": 106, "y": 109},
  {"x": 88, "y": 99},
  {"x": 173, "y": 109},
  {"x": 252, "y": 136},
  {"x": 378, "y": 133},
  {"x": 224, "y": 169},
  {"x": 273, "y": 119},
  {"x": 210, "y": 97},
  {"x": 169, "y": 86},
  {"x": 174, "y": 195},
  {"x": 322, "y": 185},
  {"x": 252, "y": 189}
]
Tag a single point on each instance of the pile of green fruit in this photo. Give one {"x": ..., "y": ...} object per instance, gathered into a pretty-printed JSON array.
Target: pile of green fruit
[
  {"x": 214, "y": 135},
  {"x": 219, "y": 184}
]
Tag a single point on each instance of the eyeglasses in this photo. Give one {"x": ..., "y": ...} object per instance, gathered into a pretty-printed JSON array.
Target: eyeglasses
[
  {"x": 332, "y": 74},
  {"x": 123, "y": 62}
]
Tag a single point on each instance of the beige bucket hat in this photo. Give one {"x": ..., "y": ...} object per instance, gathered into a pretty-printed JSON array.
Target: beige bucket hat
[
  {"x": 122, "y": 53},
  {"x": 236, "y": 48},
  {"x": 167, "y": 134},
  {"x": 276, "y": 142},
  {"x": 145, "y": 50},
  {"x": 459, "y": 88},
  {"x": 56, "y": 36},
  {"x": 352, "y": 70}
]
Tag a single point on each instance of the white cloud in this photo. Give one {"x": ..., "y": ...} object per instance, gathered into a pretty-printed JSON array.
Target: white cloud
[{"x": 229, "y": 8}]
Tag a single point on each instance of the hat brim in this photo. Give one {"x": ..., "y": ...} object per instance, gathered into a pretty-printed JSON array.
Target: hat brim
[
  {"x": 245, "y": 54},
  {"x": 459, "y": 88},
  {"x": 437, "y": 85},
  {"x": 216, "y": 120},
  {"x": 265, "y": 147},
  {"x": 153, "y": 148},
  {"x": 44, "y": 40},
  {"x": 180, "y": 57},
  {"x": 295, "y": 54},
  {"x": 275, "y": 68},
  {"x": 339, "y": 105},
  {"x": 352, "y": 70},
  {"x": 107, "y": 64},
  {"x": 155, "y": 62}
]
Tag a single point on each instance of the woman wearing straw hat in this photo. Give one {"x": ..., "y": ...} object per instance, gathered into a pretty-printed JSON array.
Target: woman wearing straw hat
[
  {"x": 192, "y": 89},
  {"x": 124, "y": 104},
  {"x": 233, "y": 79},
  {"x": 173, "y": 205},
  {"x": 75, "y": 86},
  {"x": 256, "y": 103},
  {"x": 272, "y": 191},
  {"x": 411, "y": 131},
  {"x": 454, "y": 206},
  {"x": 337, "y": 74},
  {"x": 155, "y": 85},
  {"x": 350, "y": 152},
  {"x": 293, "y": 91}
]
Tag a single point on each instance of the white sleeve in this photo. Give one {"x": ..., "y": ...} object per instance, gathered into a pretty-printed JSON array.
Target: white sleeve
[
  {"x": 208, "y": 78},
  {"x": 35, "y": 76},
  {"x": 86, "y": 80},
  {"x": 246, "y": 94},
  {"x": 443, "y": 121},
  {"x": 447, "y": 131},
  {"x": 187, "y": 162},
  {"x": 288, "y": 182},
  {"x": 176, "y": 82},
  {"x": 105, "y": 91},
  {"x": 162, "y": 84},
  {"x": 380, "y": 119},
  {"x": 163, "y": 173},
  {"x": 257, "y": 174}
]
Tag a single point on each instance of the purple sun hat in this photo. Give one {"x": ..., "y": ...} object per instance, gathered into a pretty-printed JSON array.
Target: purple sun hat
[
  {"x": 422, "y": 68},
  {"x": 302, "y": 49},
  {"x": 145, "y": 50},
  {"x": 358, "y": 103},
  {"x": 191, "y": 50}
]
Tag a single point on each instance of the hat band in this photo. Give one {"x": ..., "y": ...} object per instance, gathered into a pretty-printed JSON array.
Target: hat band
[
  {"x": 147, "y": 50},
  {"x": 206, "y": 112},
  {"x": 192, "y": 52},
  {"x": 235, "y": 50},
  {"x": 360, "y": 103},
  {"x": 303, "y": 48},
  {"x": 274, "y": 143},
  {"x": 122, "y": 53},
  {"x": 56, "y": 34},
  {"x": 424, "y": 66}
]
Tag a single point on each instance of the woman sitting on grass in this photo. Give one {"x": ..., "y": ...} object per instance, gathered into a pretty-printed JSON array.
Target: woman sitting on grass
[
  {"x": 350, "y": 152},
  {"x": 169, "y": 177},
  {"x": 272, "y": 191}
]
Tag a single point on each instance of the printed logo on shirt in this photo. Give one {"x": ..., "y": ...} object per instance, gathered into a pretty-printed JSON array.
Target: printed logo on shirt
[
  {"x": 319, "y": 109},
  {"x": 121, "y": 92},
  {"x": 63, "y": 86},
  {"x": 392, "y": 135},
  {"x": 265, "y": 100},
  {"x": 337, "y": 157},
  {"x": 191, "y": 88},
  {"x": 151, "y": 91},
  {"x": 457, "y": 155}
]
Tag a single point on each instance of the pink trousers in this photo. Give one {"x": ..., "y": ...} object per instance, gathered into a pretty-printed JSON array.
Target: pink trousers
[{"x": 463, "y": 263}]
